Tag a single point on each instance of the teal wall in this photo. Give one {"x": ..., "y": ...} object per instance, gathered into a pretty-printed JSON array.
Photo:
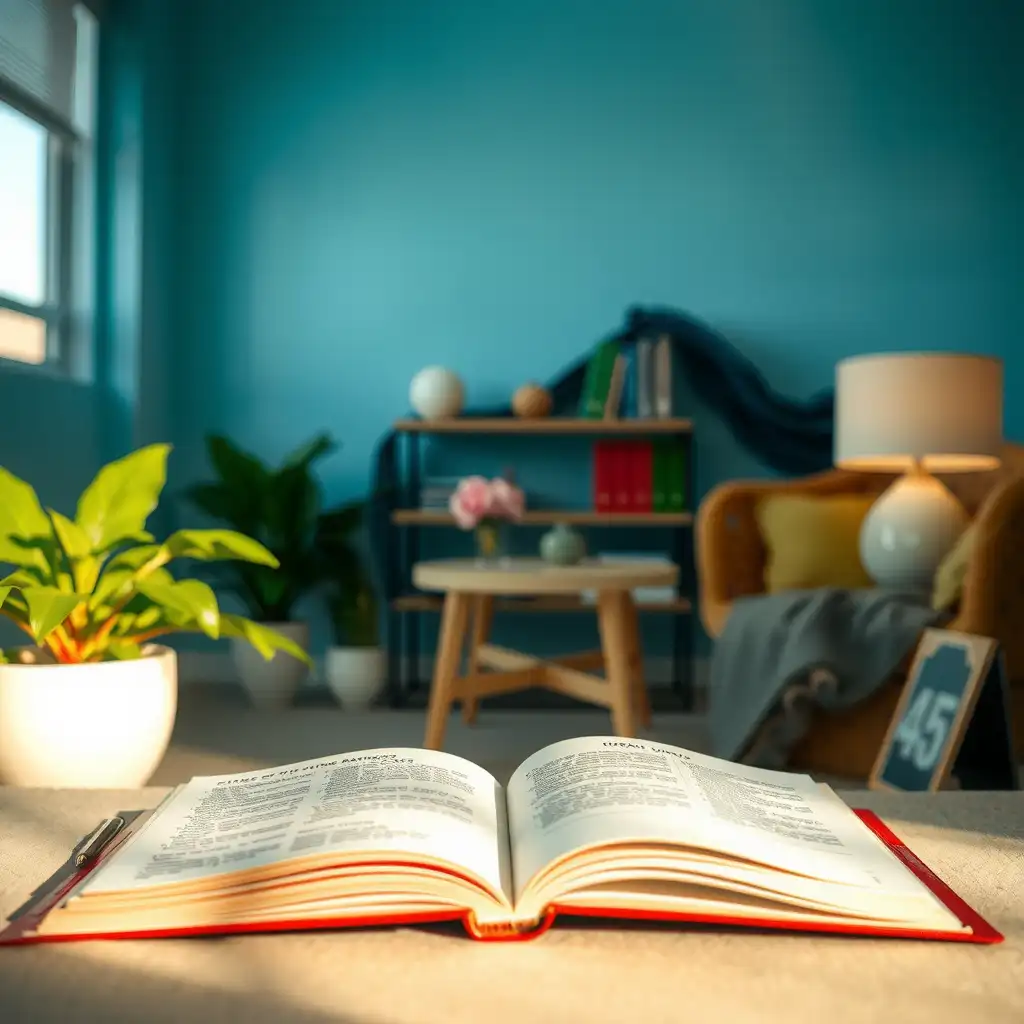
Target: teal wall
[
  {"x": 303, "y": 204},
  {"x": 370, "y": 186}
]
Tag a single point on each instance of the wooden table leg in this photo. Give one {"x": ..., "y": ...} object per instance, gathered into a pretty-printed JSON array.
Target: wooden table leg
[
  {"x": 613, "y": 622},
  {"x": 454, "y": 617},
  {"x": 483, "y": 616},
  {"x": 641, "y": 700}
]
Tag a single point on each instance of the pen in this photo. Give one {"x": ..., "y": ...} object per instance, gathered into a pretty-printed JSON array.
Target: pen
[{"x": 93, "y": 846}]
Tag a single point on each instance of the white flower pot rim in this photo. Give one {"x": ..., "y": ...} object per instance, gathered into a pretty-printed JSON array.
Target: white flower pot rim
[{"x": 149, "y": 651}]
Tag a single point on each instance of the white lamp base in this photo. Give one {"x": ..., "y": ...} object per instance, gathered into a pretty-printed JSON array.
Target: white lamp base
[{"x": 909, "y": 530}]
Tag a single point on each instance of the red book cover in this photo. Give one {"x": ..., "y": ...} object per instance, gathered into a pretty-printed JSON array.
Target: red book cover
[
  {"x": 602, "y": 477},
  {"x": 643, "y": 475},
  {"x": 22, "y": 928},
  {"x": 622, "y": 477}
]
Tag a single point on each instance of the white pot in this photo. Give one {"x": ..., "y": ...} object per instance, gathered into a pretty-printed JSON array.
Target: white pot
[
  {"x": 272, "y": 684},
  {"x": 355, "y": 675},
  {"x": 95, "y": 726}
]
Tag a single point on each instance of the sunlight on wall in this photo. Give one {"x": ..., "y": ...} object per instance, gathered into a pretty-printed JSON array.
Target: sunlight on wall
[{"x": 22, "y": 337}]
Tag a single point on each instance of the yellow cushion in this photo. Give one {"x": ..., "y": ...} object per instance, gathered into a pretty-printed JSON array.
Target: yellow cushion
[
  {"x": 950, "y": 575},
  {"x": 813, "y": 541}
]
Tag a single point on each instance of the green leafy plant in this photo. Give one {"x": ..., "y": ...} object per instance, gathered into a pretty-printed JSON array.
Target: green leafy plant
[
  {"x": 280, "y": 507},
  {"x": 97, "y": 587},
  {"x": 351, "y": 599}
]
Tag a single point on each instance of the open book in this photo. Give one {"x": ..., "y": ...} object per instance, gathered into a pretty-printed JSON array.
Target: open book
[{"x": 591, "y": 826}]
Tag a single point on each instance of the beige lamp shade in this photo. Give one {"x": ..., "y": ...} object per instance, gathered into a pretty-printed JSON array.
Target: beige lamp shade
[{"x": 940, "y": 411}]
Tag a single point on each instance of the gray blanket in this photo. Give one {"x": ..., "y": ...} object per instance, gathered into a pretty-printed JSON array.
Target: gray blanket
[{"x": 783, "y": 654}]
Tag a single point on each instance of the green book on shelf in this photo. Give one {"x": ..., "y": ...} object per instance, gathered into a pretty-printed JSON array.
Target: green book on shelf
[
  {"x": 599, "y": 378},
  {"x": 676, "y": 473},
  {"x": 587, "y": 391},
  {"x": 659, "y": 476}
]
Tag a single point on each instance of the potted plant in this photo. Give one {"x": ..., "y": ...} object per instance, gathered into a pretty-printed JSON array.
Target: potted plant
[
  {"x": 355, "y": 664},
  {"x": 90, "y": 702},
  {"x": 278, "y": 506}
]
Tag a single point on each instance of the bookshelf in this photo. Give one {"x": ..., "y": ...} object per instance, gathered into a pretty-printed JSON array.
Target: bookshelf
[{"x": 406, "y": 607}]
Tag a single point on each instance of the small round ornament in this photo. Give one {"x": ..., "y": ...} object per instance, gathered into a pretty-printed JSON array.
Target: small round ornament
[
  {"x": 532, "y": 401},
  {"x": 436, "y": 393}
]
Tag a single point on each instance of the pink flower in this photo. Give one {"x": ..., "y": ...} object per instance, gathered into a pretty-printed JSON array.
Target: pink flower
[
  {"x": 476, "y": 500},
  {"x": 471, "y": 503},
  {"x": 507, "y": 500}
]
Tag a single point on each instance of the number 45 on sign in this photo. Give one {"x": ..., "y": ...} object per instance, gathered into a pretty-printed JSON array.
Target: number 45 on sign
[
  {"x": 921, "y": 734},
  {"x": 952, "y": 722}
]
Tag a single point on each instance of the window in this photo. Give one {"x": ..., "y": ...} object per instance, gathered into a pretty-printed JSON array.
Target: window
[{"x": 47, "y": 69}]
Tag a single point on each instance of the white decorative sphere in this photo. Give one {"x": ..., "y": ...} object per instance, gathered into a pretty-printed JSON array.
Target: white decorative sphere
[{"x": 436, "y": 393}]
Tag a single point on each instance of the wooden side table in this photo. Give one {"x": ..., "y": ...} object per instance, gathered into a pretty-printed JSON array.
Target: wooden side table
[{"x": 470, "y": 587}]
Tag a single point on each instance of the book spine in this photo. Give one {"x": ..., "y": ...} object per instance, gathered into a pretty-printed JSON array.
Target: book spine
[
  {"x": 643, "y": 463},
  {"x": 613, "y": 405},
  {"x": 622, "y": 489},
  {"x": 630, "y": 471},
  {"x": 587, "y": 390},
  {"x": 659, "y": 492},
  {"x": 676, "y": 500},
  {"x": 602, "y": 481},
  {"x": 644, "y": 380},
  {"x": 629, "y": 385},
  {"x": 602, "y": 380},
  {"x": 663, "y": 379}
]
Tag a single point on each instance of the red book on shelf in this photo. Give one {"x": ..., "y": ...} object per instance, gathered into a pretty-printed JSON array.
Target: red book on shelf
[
  {"x": 622, "y": 477},
  {"x": 643, "y": 475},
  {"x": 602, "y": 477}
]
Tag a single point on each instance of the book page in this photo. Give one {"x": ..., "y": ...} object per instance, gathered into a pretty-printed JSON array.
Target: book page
[
  {"x": 401, "y": 800},
  {"x": 603, "y": 789}
]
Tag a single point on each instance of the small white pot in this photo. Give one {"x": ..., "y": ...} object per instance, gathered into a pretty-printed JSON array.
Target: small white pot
[
  {"x": 95, "y": 726},
  {"x": 355, "y": 675},
  {"x": 272, "y": 685}
]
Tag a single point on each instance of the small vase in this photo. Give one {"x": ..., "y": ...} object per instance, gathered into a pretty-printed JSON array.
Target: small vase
[
  {"x": 562, "y": 545},
  {"x": 490, "y": 543}
]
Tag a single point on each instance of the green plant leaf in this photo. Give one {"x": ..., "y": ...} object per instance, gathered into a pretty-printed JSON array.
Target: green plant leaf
[
  {"x": 4, "y": 591},
  {"x": 190, "y": 602},
  {"x": 336, "y": 525},
  {"x": 305, "y": 455},
  {"x": 82, "y": 567},
  {"x": 124, "y": 494},
  {"x": 48, "y": 607},
  {"x": 139, "y": 537},
  {"x": 73, "y": 539},
  {"x": 21, "y": 518},
  {"x": 233, "y": 506},
  {"x": 209, "y": 545},
  {"x": 20, "y": 578},
  {"x": 116, "y": 579},
  {"x": 234, "y": 465},
  {"x": 122, "y": 650},
  {"x": 265, "y": 640},
  {"x": 290, "y": 509},
  {"x": 272, "y": 591}
]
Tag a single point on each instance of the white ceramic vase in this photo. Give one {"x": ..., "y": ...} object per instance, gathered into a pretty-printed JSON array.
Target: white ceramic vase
[
  {"x": 272, "y": 685},
  {"x": 355, "y": 675},
  {"x": 94, "y": 726}
]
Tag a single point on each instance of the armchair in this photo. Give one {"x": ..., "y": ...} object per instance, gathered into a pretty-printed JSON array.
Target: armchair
[{"x": 731, "y": 558}]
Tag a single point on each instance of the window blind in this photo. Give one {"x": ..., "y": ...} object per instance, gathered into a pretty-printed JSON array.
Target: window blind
[{"x": 38, "y": 59}]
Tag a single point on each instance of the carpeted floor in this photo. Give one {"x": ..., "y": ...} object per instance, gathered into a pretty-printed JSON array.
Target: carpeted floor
[{"x": 218, "y": 733}]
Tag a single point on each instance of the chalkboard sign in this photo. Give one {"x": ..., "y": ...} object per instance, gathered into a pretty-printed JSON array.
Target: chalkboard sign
[{"x": 952, "y": 723}]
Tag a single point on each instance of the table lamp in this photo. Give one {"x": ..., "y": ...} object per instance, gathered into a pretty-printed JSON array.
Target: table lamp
[{"x": 916, "y": 413}]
